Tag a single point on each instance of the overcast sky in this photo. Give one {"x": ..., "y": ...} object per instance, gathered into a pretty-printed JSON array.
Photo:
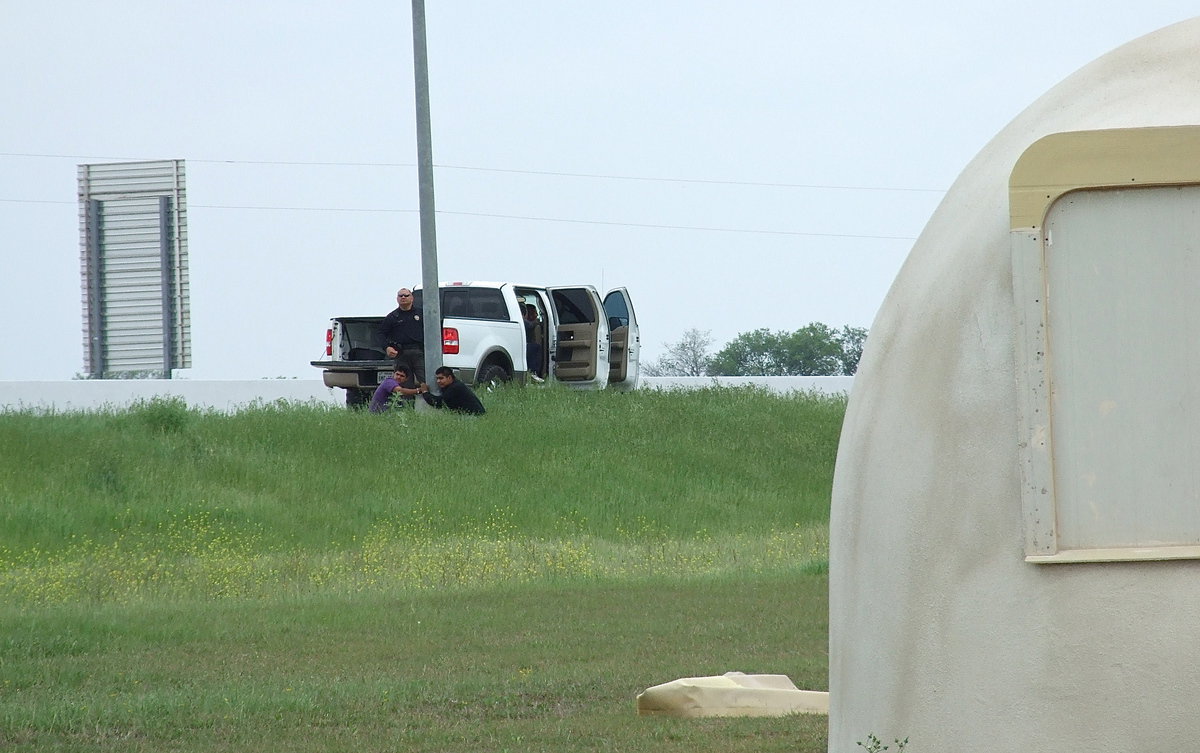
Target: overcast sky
[{"x": 735, "y": 165}]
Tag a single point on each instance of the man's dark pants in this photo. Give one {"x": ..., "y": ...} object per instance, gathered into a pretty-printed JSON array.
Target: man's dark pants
[{"x": 414, "y": 358}]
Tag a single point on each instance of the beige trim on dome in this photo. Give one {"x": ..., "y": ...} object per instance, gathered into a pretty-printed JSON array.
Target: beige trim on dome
[{"x": 1121, "y": 157}]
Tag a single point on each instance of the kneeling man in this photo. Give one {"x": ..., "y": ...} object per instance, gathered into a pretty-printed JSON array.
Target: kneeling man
[
  {"x": 455, "y": 395},
  {"x": 397, "y": 384}
]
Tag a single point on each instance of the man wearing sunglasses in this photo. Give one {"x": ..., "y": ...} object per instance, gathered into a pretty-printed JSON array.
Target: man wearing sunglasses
[{"x": 404, "y": 332}]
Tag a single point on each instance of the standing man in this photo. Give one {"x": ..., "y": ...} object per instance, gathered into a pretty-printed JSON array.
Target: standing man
[
  {"x": 455, "y": 395},
  {"x": 404, "y": 333},
  {"x": 533, "y": 344}
]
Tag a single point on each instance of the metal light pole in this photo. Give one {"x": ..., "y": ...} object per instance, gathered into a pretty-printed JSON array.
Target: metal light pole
[{"x": 431, "y": 303}]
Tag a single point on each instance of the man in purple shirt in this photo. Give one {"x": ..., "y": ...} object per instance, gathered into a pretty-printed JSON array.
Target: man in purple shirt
[{"x": 396, "y": 384}]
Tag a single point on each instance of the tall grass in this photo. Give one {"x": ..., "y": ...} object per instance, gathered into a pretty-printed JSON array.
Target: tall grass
[
  {"x": 161, "y": 499},
  {"x": 311, "y": 579}
]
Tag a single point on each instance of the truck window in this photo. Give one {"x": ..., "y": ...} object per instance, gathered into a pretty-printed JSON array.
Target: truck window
[
  {"x": 474, "y": 303},
  {"x": 574, "y": 306},
  {"x": 487, "y": 303},
  {"x": 616, "y": 310},
  {"x": 454, "y": 302}
]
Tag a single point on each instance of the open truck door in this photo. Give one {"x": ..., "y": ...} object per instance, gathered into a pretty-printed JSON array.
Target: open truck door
[
  {"x": 625, "y": 346},
  {"x": 579, "y": 342}
]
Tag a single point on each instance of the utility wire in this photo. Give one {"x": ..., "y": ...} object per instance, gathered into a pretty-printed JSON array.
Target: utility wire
[
  {"x": 507, "y": 216},
  {"x": 683, "y": 227},
  {"x": 363, "y": 210},
  {"x": 594, "y": 176},
  {"x": 646, "y": 225},
  {"x": 703, "y": 181}
]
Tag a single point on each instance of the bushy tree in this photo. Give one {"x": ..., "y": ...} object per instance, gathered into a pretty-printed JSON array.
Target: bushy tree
[
  {"x": 754, "y": 353},
  {"x": 851, "y": 340},
  {"x": 813, "y": 350},
  {"x": 689, "y": 356}
]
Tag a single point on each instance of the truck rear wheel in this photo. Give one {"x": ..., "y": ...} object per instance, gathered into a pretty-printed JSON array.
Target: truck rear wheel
[
  {"x": 356, "y": 398},
  {"x": 491, "y": 376}
]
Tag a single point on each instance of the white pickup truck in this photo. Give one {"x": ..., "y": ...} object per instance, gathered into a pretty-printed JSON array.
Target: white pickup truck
[{"x": 587, "y": 342}]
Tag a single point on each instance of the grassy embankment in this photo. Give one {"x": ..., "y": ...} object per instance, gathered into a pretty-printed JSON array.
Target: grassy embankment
[{"x": 313, "y": 579}]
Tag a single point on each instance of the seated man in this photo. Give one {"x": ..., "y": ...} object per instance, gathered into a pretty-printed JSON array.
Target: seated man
[
  {"x": 397, "y": 384},
  {"x": 455, "y": 395}
]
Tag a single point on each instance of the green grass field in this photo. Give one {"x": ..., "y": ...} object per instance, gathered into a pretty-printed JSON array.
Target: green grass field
[{"x": 312, "y": 579}]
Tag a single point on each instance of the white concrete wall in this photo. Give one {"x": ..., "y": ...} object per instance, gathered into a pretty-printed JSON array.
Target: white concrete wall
[
  {"x": 826, "y": 385},
  {"x": 940, "y": 631},
  {"x": 87, "y": 394},
  {"x": 94, "y": 394}
]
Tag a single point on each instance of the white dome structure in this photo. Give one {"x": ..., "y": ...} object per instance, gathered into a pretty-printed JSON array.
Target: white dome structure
[{"x": 1015, "y": 530}]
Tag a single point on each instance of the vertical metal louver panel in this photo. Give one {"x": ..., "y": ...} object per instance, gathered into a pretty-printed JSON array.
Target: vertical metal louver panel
[{"x": 133, "y": 229}]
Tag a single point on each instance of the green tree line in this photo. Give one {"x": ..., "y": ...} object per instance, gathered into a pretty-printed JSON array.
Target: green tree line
[{"x": 813, "y": 350}]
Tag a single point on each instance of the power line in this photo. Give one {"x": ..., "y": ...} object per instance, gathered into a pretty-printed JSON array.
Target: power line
[
  {"x": 683, "y": 227},
  {"x": 363, "y": 210},
  {"x": 552, "y": 173},
  {"x": 300, "y": 163},
  {"x": 702, "y": 181},
  {"x": 252, "y": 207},
  {"x": 644, "y": 225}
]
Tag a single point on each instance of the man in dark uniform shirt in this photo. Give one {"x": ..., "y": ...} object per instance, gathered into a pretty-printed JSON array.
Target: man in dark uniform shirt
[
  {"x": 403, "y": 332},
  {"x": 455, "y": 395}
]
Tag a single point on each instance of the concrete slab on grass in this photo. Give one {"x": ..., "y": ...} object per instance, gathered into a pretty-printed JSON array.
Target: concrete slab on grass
[{"x": 731, "y": 694}]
